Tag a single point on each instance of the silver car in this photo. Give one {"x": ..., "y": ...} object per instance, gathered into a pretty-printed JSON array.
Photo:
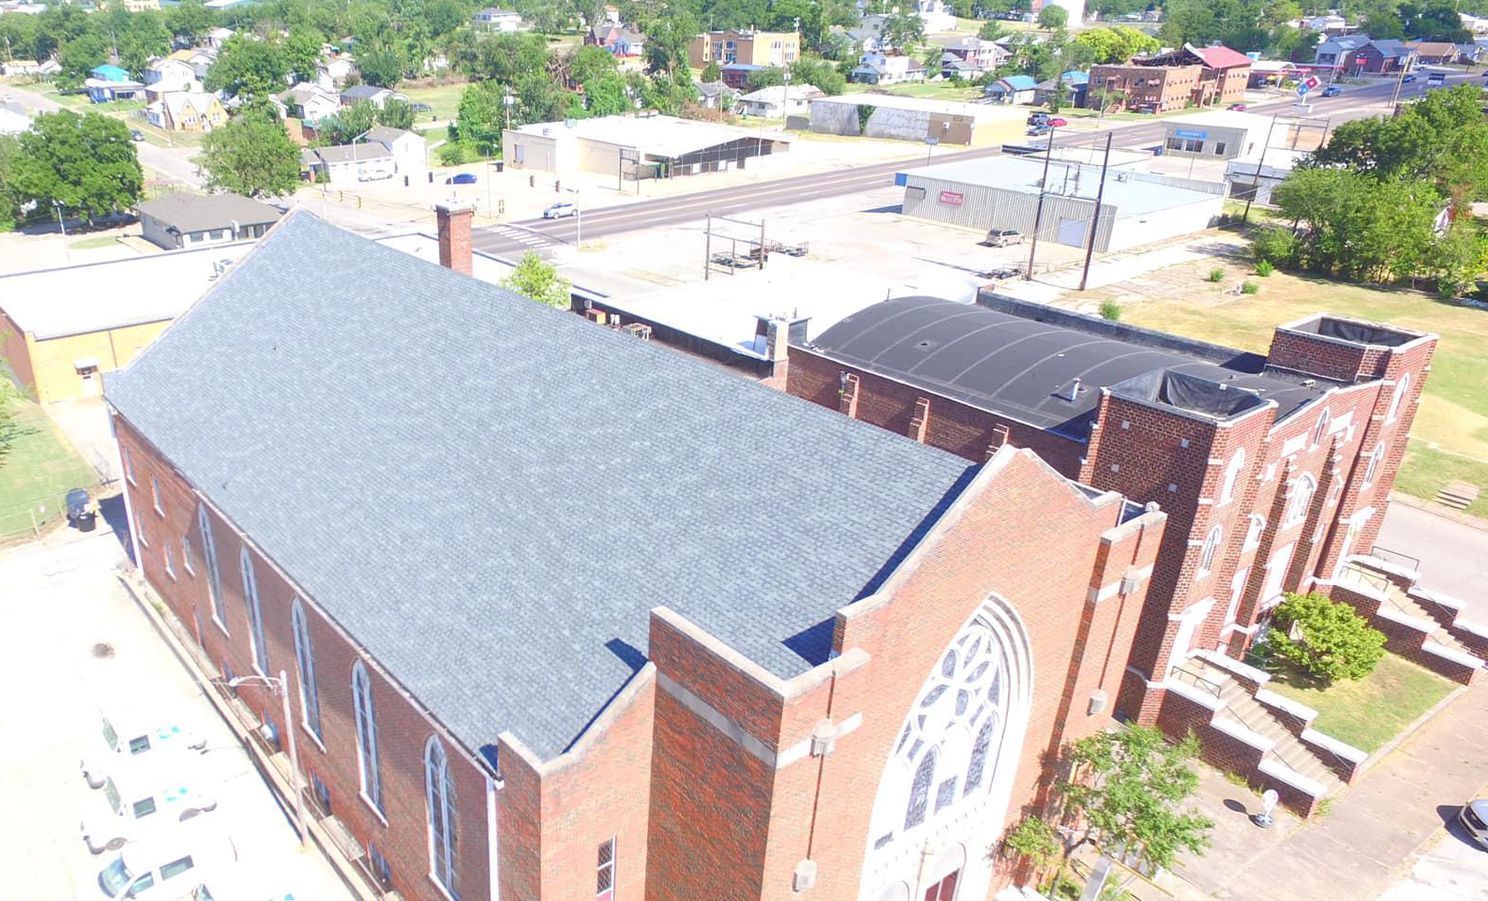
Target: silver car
[
  {"x": 1474, "y": 818},
  {"x": 1002, "y": 237}
]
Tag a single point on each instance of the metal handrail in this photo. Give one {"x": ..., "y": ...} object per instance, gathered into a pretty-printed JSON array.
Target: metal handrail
[
  {"x": 1198, "y": 679},
  {"x": 1390, "y": 556},
  {"x": 1201, "y": 681}
]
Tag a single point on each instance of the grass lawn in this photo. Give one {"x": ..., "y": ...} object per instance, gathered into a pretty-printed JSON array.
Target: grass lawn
[
  {"x": 1450, "y": 432},
  {"x": 39, "y": 469},
  {"x": 93, "y": 243},
  {"x": 1369, "y": 712},
  {"x": 444, "y": 98}
]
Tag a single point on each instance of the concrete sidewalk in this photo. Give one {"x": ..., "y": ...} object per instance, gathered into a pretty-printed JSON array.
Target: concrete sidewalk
[{"x": 1373, "y": 830}]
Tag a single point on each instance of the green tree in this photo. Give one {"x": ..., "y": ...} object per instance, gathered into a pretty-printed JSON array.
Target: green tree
[
  {"x": 990, "y": 31},
  {"x": 251, "y": 155},
  {"x": 79, "y": 57},
  {"x": 818, "y": 72},
  {"x": 904, "y": 29},
  {"x": 481, "y": 117},
  {"x": 1324, "y": 638},
  {"x": 605, "y": 94},
  {"x": 1115, "y": 45},
  {"x": 532, "y": 278},
  {"x": 1359, "y": 227},
  {"x": 1037, "y": 842},
  {"x": 590, "y": 62},
  {"x": 1457, "y": 259},
  {"x": 349, "y": 122},
  {"x": 8, "y": 425},
  {"x": 1053, "y": 17},
  {"x": 248, "y": 68},
  {"x": 86, "y": 164},
  {"x": 143, "y": 36},
  {"x": 190, "y": 21},
  {"x": 667, "y": 40},
  {"x": 396, "y": 113},
  {"x": 302, "y": 53},
  {"x": 1126, "y": 790},
  {"x": 382, "y": 65},
  {"x": 711, "y": 73}
]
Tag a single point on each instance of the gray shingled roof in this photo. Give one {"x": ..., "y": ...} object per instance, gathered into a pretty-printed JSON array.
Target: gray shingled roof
[
  {"x": 491, "y": 495},
  {"x": 200, "y": 212}
]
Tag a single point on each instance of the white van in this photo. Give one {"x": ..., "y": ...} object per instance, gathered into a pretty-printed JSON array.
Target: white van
[
  {"x": 125, "y": 741},
  {"x": 166, "y": 868},
  {"x": 137, "y": 800}
]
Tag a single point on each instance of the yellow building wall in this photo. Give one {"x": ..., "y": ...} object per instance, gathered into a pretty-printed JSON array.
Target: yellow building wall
[{"x": 52, "y": 360}]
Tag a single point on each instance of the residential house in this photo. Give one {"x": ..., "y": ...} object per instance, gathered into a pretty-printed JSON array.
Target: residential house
[
  {"x": 216, "y": 38},
  {"x": 736, "y": 75},
  {"x": 1075, "y": 85},
  {"x": 1385, "y": 57},
  {"x": 373, "y": 94},
  {"x": 1433, "y": 53},
  {"x": 308, "y": 102},
  {"x": 20, "y": 67},
  {"x": 1335, "y": 51},
  {"x": 887, "y": 67},
  {"x": 1329, "y": 22},
  {"x": 349, "y": 164},
  {"x": 868, "y": 35},
  {"x": 978, "y": 55},
  {"x": 779, "y": 101},
  {"x": 109, "y": 72},
  {"x": 14, "y": 119},
  {"x": 191, "y": 220},
  {"x": 410, "y": 151},
  {"x": 617, "y": 39},
  {"x": 493, "y": 18},
  {"x": 107, "y": 90},
  {"x": 186, "y": 111},
  {"x": 715, "y": 95},
  {"x": 757, "y": 48},
  {"x": 172, "y": 73},
  {"x": 1012, "y": 89}
]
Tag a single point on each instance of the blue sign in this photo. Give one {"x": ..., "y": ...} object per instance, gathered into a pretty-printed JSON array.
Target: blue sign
[
  {"x": 1302, "y": 89},
  {"x": 1192, "y": 134}
]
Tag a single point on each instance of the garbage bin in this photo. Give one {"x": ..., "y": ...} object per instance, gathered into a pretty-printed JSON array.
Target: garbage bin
[{"x": 501, "y": 165}]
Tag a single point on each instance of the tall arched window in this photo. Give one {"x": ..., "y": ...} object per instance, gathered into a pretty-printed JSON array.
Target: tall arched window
[
  {"x": 1321, "y": 431},
  {"x": 1210, "y": 550},
  {"x": 1301, "y": 500},
  {"x": 919, "y": 791},
  {"x": 366, "y": 729},
  {"x": 255, "y": 613},
  {"x": 1254, "y": 530},
  {"x": 209, "y": 555},
  {"x": 1401, "y": 387},
  {"x": 305, "y": 662},
  {"x": 1372, "y": 467},
  {"x": 1232, "y": 476},
  {"x": 439, "y": 790},
  {"x": 976, "y": 770}
]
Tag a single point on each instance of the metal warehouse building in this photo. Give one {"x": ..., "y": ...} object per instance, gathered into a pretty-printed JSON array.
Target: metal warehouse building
[
  {"x": 1137, "y": 207},
  {"x": 916, "y": 119},
  {"x": 635, "y": 147}
]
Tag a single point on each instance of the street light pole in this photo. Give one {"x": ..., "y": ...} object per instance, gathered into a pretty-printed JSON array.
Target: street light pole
[
  {"x": 280, "y": 686},
  {"x": 1038, "y": 216}
]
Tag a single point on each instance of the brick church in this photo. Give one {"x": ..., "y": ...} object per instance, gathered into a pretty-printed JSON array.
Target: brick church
[{"x": 567, "y": 614}]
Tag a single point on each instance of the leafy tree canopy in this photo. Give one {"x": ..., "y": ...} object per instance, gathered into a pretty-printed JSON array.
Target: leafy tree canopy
[
  {"x": 86, "y": 163},
  {"x": 251, "y": 155},
  {"x": 533, "y": 278},
  {"x": 249, "y": 68},
  {"x": 1325, "y": 638}
]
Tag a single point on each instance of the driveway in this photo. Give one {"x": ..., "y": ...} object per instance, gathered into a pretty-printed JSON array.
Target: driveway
[
  {"x": 75, "y": 644},
  {"x": 1452, "y": 869},
  {"x": 1454, "y": 557}
]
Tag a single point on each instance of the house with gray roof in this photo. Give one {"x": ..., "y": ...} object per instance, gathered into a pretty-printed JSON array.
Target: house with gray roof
[{"x": 192, "y": 220}]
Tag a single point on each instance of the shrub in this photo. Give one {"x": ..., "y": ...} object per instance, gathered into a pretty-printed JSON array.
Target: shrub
[
  {"x": 452, "y": 153},
  {"x": 1277, "y": 246},
  {"x": 1324, "y": 638},
  {"x": 1110, "y": 310},
  {"x": 1264, "y": 268},
  {"x": 1036, "y": 841},
  {"x": 1249, "y": 287},
  {"x": 1215, "y": 275}
]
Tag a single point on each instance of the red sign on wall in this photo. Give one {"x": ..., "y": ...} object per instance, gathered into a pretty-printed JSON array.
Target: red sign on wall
[{"x": 952, "y": 198}]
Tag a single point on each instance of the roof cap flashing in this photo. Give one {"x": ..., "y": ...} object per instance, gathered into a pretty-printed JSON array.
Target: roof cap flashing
[{"x": 1353, "y": 331}]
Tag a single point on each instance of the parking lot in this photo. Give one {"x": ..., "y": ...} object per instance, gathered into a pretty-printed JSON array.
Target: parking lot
[{"x": 75, "y": 645}]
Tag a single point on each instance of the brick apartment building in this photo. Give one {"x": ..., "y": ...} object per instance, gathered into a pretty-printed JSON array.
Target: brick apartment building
[
  {"x": 568, "y": 614},
  {"x": 749, "y": 48},
  {"x": 1188, "y": 76},
  {"x": 1275, "y": 471}
]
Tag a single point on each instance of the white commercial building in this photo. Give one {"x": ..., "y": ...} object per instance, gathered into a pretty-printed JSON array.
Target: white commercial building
[{"x": 632, "y": 147}]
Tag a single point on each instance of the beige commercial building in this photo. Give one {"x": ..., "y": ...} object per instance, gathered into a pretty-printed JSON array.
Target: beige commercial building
[{"x": 754, "y": 48}]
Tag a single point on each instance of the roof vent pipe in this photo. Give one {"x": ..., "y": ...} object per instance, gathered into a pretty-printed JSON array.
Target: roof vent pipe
[{"x": 1074, "y": 390}]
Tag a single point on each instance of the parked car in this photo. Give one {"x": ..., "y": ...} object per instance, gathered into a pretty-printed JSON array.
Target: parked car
[
  {"x": 1058, "y": 122},
  {"x": 82, "y": 514},
  {"x": 1334, "y": 90},
  {"x": 139, "y": 801},
  {"x": 125, "y": 742},
  {"x": 1002, "y": 237},
  {"x": 1038, "y": 119},
  {"x": 422, "y": 108},
  {"x": 1408, "y": 79},
  {"x": 167, "y": 868},
  {"x": 1474, "y": 818},
  {"x": 560, "y": 211},
  {"x": 1036, "y": 130},
  {"x": 461, "y": 178},
  {"x": 1238, "y": 107},
  {"x": 136, "y": 135}
]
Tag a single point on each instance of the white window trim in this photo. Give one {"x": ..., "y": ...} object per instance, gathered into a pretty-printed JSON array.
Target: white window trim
[
  {"x": 128, "y": 466},
  {"x": 1216, "y": 535},
  {"x": 299, "y": 627},
  {"x": 214, "y": 570},
  {"x": 442, "y": 775},
  {"x": 373, "y": 807},
  {"x": 155, "y": 496},
  {"x": 170, "y": 566},
  {"x": 1371, "y": 468},
  {"x": 186, "y": 554},
  {"x": 1397, "y": 399},
  {"x": 256, "y": 638},
  {"x": 359, "y": 674}
]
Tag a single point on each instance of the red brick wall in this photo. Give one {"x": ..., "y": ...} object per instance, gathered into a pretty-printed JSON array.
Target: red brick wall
[
  {"x": 17, "y": 355},
  {"x": 402, "y": 730},
  {"x": 953, "y": 426}
]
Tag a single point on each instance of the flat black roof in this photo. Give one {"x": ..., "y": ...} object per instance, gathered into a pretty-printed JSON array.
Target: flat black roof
[{"x": 1045, "y": 374}]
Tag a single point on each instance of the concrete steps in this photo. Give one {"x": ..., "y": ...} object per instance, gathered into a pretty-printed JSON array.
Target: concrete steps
[
  {"x": 1457, "y": 495},
  {"x": 1240, "y": 704}
]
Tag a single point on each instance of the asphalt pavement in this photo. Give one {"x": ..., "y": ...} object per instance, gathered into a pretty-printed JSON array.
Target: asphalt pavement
[{"x": 515, "y": 238}]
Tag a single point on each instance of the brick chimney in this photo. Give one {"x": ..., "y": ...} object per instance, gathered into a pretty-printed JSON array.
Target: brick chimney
[{"x": 454, "y": 234}]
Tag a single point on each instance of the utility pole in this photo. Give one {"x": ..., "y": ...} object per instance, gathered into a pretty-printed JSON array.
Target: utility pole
[
  {"x": 1255, "y": 179},
  {"x": 1038, "y": 216},
  {"x": 1399, "y": 83},
  {"x": 708, "y": 249},
  {"x": 1100, "y": 194}
]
